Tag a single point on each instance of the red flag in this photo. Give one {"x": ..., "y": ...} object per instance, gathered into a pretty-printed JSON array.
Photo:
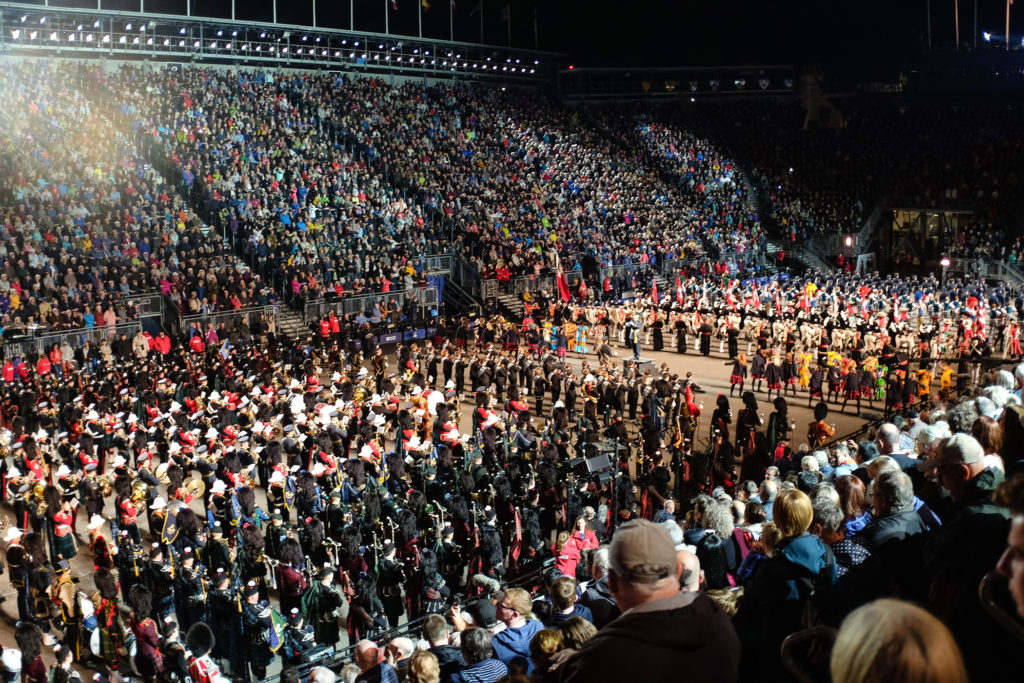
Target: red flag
[
  {"x": 654, "y": 289},
  {"x": 679, "y": 290},
  {"x": 394, "y": 4},
  {"x": 757, "y": 299},
  {"x": 563, "y": 285}
]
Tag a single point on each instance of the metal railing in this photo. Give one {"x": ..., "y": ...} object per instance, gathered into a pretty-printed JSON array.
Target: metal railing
[
  {"x": 352, "y": 305},
  {"x": 229, "y": 318},
  {"x": 986, "y": 269},
  {"x": 440, "y": 264},
  {"x": 151, "y": 304},
  {"x": 42, "y": 341}
]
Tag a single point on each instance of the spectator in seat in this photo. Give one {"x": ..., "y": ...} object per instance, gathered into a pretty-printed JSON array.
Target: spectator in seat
[
  {"x": 890, "y": 640},
  {"x": 513, "y": 610},
  {"x": 482, "y": 666},
  {"x": 598, "y": 597},
  {"x": 563, "y": 595}
]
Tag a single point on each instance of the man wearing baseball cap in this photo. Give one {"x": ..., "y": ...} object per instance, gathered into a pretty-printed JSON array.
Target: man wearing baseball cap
[
  {"x": 965, "y": 548},
  {"x": 671, "y": 633}
]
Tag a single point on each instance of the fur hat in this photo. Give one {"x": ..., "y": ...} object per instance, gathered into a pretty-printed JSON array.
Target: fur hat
[{"x": 200, "y": 639}]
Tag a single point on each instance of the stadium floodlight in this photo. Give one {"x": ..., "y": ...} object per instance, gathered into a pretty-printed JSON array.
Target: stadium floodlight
[
  {"x": 234, "y": 34},
  {"x": 23, "y": 18},
  {"x": 284, "y": 49},
  {"x": 128, "y": 26},
  {"x": 416, "y": 51},
  {"x": 213, "y": 44},
  {"x": 356, "y": 43},
  {"x": 33, "y": 34},
  {"x": 220, "y": 33},
  {"x": 149, "y": 41},
  {"x": 318, "y": 39},
  {"x": 337, "y": 53},
  {"x": 88, "y": 38},
  {"x": 123, "y": 40},
  {"x": 305, "y": 37},
  {"x": 323, "y": 53},
  {"x": 79, "y": 27},
  {"x": 181, "y": 43},
  {"x": 143, "y": 27},
  {"x": 258, "y": 48},
  {"x": 135, "y": 40},
  {"x": 16, "y": 33},
  {"x": 106, "y": 38},
  {"x": 167, "y": 42},
  {"x": 96, "y": 24},
  {"x": 364, "y": 56},
  {"x": 263, "y": 35},
  {"x": 245, "y": 46},
  {"x": 984, "y": 34},
  {"x": 351, "y": 55},
  {"x": 181, "y": 31},
  {"x": 195, "y": 44},
  {"x": 228, "y": 46},
  {"x": 42, "y": 20},
  {"x": 53, "y": 36},
  {"x": 533, "y": 70}
]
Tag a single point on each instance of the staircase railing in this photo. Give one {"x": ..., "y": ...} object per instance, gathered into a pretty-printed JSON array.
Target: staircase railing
[{"x": 458, "y": 299}]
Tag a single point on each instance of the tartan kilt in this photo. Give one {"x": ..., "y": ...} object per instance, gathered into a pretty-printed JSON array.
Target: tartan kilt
[
  {"x": 775, "y": 386},
  {"x": 815, "y": 392},
  {"x": 735, "y": 379},
  {"x": 460, "y": 343},
  {"x": 834, "y": 387},
  {"x": 438, "y": 340},
  {"x": 867, "y": 392},
  {"x": 533, "y": 347},
  {"x": 757, "y": 375},
  {"x": 853, "y": 394},
  {"x": 562, "y": 351},
  {"x": 511, "y": 346},
  {"x": 791, "y": 381}
]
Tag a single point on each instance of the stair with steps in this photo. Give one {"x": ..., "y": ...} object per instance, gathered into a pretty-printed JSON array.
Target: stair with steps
[
  {"x": 512, "y": 305},
  {"x": 291, "y": 323}
]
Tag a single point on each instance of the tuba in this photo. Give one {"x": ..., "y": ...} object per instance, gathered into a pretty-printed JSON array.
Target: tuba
[{"x": 36, "y": 496}]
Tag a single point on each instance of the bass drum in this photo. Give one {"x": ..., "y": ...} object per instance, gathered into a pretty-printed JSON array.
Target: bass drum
[{"x": 129, "y": 642}]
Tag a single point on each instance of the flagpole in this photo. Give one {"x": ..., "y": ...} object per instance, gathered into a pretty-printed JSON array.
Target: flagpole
[
  {"x": 387, "y": 19},
  {"x": 419, "y": 6},
  {"x": 451, "y": 20},
  {"x": 1008, "y": 3},
  {"x": 481, "y": 22},
  {"x": 508, "y": 18},
  {"x": 351, "y": 15},
  {"x": 956, "y": 21}
]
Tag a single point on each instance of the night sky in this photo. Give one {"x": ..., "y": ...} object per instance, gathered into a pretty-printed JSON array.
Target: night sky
[{"x": 849, "y": 33}]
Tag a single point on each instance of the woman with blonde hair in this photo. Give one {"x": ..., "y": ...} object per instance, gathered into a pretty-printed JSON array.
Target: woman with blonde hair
[
  {"x": 891, "y": 640},
  {"x": 423, "y": 668},
  {"x": 776, "y": 595}
]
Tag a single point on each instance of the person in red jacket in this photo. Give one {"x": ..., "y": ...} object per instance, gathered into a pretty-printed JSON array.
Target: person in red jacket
[
  {"x": 197, "y": 344},
  {"x": 8, "y": 371},
  {"x": 43, "y": 366},
  {"x": 163, "y": 343}
]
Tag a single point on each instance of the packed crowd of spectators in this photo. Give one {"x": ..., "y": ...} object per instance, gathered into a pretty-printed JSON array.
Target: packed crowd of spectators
[{"x": 226, "y": 189}]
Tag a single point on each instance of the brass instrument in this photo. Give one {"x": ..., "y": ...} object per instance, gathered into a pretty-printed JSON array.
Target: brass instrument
[
  {"x": 35, "y": 494},
  {"x": 106, "y": 485},
  {"x": 277, "y": 432},
  {"x": 140, "y": 493}
]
